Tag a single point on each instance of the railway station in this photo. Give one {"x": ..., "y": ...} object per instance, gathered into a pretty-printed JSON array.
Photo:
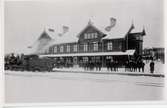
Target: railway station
[{"x": 93, "y": 45}]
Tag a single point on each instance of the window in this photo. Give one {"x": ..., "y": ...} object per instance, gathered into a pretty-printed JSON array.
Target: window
[
  {"x": 75, "y": 48},
  {"x": 85, "y": 35},
  {"x": 109, "y": 46},
  {"x": 85, "y": 47},
  {"x": 61, "y": 48},
  {"x": 120, "y": 46},
  {"x": 95, "y": 46},
  {"x": 88, "y": 36},
  {"x": 91, "y": 35},
  {"x": 95, "y": 35},
  {"x": 55, "y": 49},
  {"x": 68, "y": 48},
  {"x": 85, "y": 59}
]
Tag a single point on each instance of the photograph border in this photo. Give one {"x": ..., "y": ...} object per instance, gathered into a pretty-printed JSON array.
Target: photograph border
[{"x": 2, "y": 79}]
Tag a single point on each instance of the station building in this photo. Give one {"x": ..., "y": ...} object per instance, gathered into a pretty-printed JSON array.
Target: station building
[{"x": 95, "y": 45}]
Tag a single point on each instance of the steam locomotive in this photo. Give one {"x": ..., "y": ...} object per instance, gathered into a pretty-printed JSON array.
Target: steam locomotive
[{"x": 28, "y": 63}]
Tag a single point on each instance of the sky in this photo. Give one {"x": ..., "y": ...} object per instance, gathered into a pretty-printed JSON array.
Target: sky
[{"x": 26, "y": 20}]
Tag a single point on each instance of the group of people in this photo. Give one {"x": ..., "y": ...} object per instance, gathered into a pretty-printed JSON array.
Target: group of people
[
  {"x": 112, "y": 65},
  {"x": 131, "y": 66},
  {"x": 135, "y": 66},
  {"x": 90, "y": 65}
]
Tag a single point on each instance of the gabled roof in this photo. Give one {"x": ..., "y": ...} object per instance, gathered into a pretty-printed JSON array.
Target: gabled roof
[
  {"x": 90, "y": 24},
  {"x": 41, "y": 44},
  {"x": 44, "y": 35}
]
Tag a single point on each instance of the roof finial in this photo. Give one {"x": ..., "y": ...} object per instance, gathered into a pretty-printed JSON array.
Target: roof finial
[
  {"x": 131, "y": 28},
  {"x": 143, "y": 32},
  {"x": 133, "y": 24},
  {"x": 90, "y": 22}
]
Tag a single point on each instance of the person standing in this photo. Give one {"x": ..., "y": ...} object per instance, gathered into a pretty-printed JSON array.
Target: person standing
[
  {"x": 143, "y": 65},
  {"x": 152, "y": 66},
  {"x": 139, "y": 65}
]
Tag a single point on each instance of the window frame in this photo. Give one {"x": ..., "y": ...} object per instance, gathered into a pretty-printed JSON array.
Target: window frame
[
  {"x": 95, "y": 46},
  {"x": 55, "y": 49},
  {"x": 75, "y": 48},
  {"x": 85, "y": 47},
  {"x": 110, "y": 46},
  {"x": 68, "y": 48},
  {"x": 61, "y": 48}
]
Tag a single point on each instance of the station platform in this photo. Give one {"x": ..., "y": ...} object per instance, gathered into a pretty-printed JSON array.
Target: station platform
[{"x": 121, "y": 71}]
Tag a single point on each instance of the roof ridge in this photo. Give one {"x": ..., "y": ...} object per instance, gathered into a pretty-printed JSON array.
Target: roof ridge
[{"x": 44, "y": 35}]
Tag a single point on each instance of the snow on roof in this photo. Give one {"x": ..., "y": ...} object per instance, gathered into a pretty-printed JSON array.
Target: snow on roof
[
  {"x": 127, "y": 52},
  {"x": 41, "y": 44},
  {"x": 44, "y": 35},
  {"x": 118, "y": 31},
  {"x": 68, "y": 37}
]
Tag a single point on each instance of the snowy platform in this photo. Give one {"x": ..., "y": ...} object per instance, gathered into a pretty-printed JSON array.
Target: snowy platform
[
  {"x": 104, "y": 71},
  {"x": 81, "y": 87}
]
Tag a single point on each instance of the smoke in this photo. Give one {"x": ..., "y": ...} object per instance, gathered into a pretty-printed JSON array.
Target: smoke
[{"x": 42, "y": 44}]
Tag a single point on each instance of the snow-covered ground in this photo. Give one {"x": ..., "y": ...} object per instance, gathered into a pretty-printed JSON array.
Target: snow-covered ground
[{"x": 67, "y": 87}]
